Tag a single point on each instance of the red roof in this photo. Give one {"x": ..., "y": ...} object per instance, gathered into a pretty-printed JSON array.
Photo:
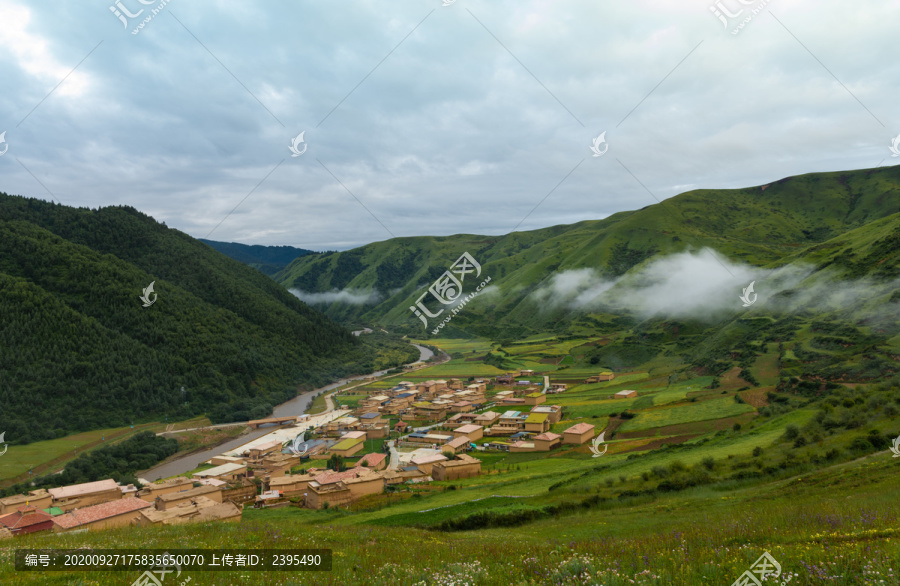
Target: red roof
[
  {"x": 25, "y": 517},
  {"x": 100, "y": 512},
  {"x": 371, "y": 459},
  {"x": 547, "y": 436},
  {"x": 401, "y": 424}
]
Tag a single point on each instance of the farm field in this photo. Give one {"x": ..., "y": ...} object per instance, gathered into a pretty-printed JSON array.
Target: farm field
[{"x": 660, "y": 417}]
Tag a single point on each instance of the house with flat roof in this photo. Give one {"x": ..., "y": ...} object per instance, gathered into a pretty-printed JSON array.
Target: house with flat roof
[
  {"x": 626, "y": 394},
  {"x": 348, "y": 447},
  {"x": 461, "y": 407},
  {"x": 512, "y": 418},
  {"x": 501, "y": 430},
  {"x": 39, "y": 498},
  {"x": 226, "y": 472},
  {"x": 463, "y": 466},
  {"x": 257, "y": 452},
  {"x": 537, "y": 423},
  {"x": 198, "y": 510},
  {"x": 85, "y": 494},
  {"x": 167, "y": 501},
  {"x": 508, "y": 400},
  {"x": 522, "y": 446},
  {"x": 579, "y": 433},
  {"x": 161, "y": 487},
  {"x": 338, "y": 488},
  {"x": 429, "y": 438},
  {"x": 364, "y": 484},
  {"x": 535, "y": 398},
  {"x": 289, "y": 486},
  {"x": 103, "y": 516},
  {"x": 424, "y": 463},
  {"x": 554, "y": 412}
]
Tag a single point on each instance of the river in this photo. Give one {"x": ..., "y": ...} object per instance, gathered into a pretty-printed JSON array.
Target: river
[{"x": 296, "y": 406}]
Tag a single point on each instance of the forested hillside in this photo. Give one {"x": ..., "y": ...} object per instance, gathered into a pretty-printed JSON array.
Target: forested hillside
[
  {"x": 266, "y": 259},
  {"x": 79, "y": 351}
]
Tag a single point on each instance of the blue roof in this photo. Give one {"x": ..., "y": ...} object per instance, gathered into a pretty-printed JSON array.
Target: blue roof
[
  {"x": 369, "y": 415},
  {"x": 404, "y": 395}
]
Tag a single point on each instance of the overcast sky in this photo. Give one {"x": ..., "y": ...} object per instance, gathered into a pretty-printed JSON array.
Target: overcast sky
[{"x": 424, "y": 119}]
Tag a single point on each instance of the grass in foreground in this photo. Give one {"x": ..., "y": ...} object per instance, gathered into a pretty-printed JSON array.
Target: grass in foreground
[{"x": 837, "y": 526}]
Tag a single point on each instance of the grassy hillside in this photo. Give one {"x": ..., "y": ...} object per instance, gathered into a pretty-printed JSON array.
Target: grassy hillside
[
  {"x": 78, "y": 351},
  {"x": 769, "y": 225},
  {"x": 266, "y": 259}
]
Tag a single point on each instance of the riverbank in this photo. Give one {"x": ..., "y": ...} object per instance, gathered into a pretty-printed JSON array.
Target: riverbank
[{"x": 291, "y": 408}]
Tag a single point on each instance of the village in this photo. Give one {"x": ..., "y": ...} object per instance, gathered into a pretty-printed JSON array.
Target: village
[{"x": 509, "y": 413}]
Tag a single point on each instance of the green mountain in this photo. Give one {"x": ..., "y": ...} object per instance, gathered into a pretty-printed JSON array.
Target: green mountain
[
  {"x": 78, "y": 350},
  {"x": 804, "y": 218},
  {"x": 266, "y": 259}
]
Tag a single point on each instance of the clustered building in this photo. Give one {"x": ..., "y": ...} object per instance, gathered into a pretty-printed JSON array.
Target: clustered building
[
  {"x": 220, "y": 492},
  {"x": 104, "y": 504}
]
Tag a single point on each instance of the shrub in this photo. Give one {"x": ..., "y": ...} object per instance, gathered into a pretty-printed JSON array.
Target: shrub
[
  {"x": 709, "y": 462},
  {"x": 757, "y": 451},
  {"x": 799, "y": 442},
  {"x": 791, "y": 432},
  {"x": 861, "y": 444},
  {"x": 736, "y": 427},
  {"x": 739, "y": 399}
]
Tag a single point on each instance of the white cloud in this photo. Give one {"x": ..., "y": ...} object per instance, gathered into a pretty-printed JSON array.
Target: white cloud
[
  {"x": 705, "y": 285},
  {"x": 33, "y": 53},
  {"x": 348, "y": 296}
]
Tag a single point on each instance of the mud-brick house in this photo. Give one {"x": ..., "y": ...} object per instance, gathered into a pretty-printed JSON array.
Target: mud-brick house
[
  {"x": 546, "y": 441},
  {"x": 168, "y": 501},
  {"x": 103, "y": 516},
  {"x": 537, "y": 423},
  {"x": 85, "y": 494},
  {"x": 470, "y": 431},
  {"x": 554, "y": 412},
  {"x": 40, "y": 499},
  {"x": 464, "y": 466},
  {"x": 535, "y": 398},
  {"x": 579, "y": 433}
]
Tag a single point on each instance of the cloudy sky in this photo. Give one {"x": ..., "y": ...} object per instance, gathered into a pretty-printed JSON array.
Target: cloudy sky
[{"x": 418, "y": 118}]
